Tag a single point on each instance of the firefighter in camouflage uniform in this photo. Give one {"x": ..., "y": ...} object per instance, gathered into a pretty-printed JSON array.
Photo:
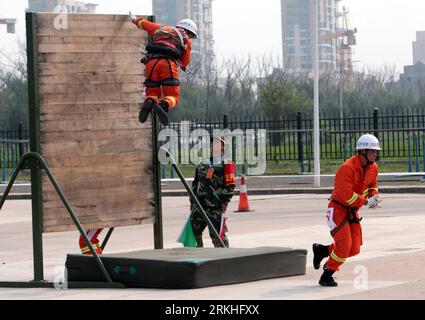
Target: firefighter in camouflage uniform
[{"x": 213, "y": 185}]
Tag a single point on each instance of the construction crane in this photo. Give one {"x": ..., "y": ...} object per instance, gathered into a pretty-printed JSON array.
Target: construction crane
[
  {"x": 347, "y": 41},
  {"x": 10, "y": 23}
]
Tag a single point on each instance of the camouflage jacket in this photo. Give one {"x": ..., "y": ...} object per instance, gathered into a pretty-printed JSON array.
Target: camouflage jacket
[{"x": 215, "y": 191}]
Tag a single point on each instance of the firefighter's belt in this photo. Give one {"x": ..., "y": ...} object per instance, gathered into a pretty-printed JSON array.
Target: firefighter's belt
[
  {"x": 166, "y": 82},
  {"x": 350, "y": 216}
]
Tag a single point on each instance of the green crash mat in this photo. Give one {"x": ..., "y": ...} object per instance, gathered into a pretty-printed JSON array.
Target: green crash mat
[{"x": 186, "y": 268}]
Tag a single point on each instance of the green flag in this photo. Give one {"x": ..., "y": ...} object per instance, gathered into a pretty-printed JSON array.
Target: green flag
[{"x": 187, "y": 237}]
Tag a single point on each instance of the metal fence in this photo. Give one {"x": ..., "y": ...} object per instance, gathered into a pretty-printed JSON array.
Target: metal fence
[
  {"x": 402, "y": 135},
  {"x": 13, "y": 145}
]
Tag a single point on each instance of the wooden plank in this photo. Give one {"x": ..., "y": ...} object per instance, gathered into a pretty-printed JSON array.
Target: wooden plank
[
  {"x": 70, "y": 126},
  {"x": 96, "y": 40},
  {"x": 97, "y": 67},
  {"x": 130, "y": 202},
  {"x": 91, "y": 185},
  {"x": 95, "y": 78},
  {"x": 99, "y": 181},
  {"x": 90, "y": 220},
  {"x": 88, "y": 109},
  {"x": 89, "y": 47},
  {"x": 65, "y": 224},
  {"x": 85, "y": 24},
  {"x": 93, "y": 221},
  {"x": 107, "y": 134},
  {"x": 94, "y": 160},
  {"x": 89, "y": 57},
  {"x": 61, "y": 227},
  {"x": 51, "y": 16},
  {"x": 134, "y": 68},
  {"x": 90, "y": 212},
  {"x": 96, "y": 147},
  {"x": 80, "y": 193},
  {"x": 94, "y": 188},
  {"x": 92, "y": 32},
  {"x": 90, "y": 116},
  {"x": 91, "y": 88},
  {"x": 104, "y": 171},
  {"x": 91, "y": 98}
]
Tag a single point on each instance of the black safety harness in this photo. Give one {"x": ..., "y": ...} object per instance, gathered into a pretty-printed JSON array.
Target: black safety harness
[
  {"x": 149, "y": 83},
  {"x": 159, "y": 52},
  {"x": 350, "y": 216}
]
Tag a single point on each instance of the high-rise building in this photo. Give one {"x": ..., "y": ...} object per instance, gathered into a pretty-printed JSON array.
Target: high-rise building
[
  {"x": 70, "y": 5},
  {"x": 413, "y": 77},
  {"x": 419, "y": 47},
  {"x": 298, "y": 30},
  {"x": 10, "y": 24},
  {"x": 170, "y": 12}
]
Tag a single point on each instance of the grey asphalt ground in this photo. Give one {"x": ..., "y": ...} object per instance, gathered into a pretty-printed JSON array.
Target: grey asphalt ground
[{"x": 390, "y": 265}]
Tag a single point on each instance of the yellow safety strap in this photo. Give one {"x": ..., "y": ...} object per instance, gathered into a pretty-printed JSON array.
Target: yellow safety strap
[
  {"x": 139, "y": 25},
  {"x": 173, "y": 101},
  {"x": 353, "y": 198},
  {"x": 336, "y": 258}
]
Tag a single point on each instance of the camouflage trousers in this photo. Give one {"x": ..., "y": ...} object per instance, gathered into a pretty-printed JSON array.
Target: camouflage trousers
[{"x": 199, "y": 225}]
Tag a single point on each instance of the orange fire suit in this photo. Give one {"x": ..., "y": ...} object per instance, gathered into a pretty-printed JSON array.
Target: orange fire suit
[
  {"x": 92, "y": 234},
  {"x": 159, "y": 71},
  {"x": 353, "y": 185}
]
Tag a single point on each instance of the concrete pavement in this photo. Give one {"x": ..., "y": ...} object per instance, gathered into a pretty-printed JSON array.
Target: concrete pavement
[
  {"x": 270, "y": 185},
  {"x": 390, "y": 265}
]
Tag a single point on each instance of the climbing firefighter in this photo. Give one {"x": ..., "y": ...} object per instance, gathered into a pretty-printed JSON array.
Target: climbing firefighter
[
  {"x": 169, "y": 49},
  {"x": 355, "y": 186}
]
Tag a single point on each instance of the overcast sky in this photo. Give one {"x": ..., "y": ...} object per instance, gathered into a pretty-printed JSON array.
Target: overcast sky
[{"x": 386, "y": 28}]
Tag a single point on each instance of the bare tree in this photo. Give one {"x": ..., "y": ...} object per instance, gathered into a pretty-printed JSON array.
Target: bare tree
[{"x": 13, "y": 87}]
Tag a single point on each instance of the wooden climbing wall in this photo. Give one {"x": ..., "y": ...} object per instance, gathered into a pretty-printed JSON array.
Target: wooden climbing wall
[{"x": 89, "y": 82}]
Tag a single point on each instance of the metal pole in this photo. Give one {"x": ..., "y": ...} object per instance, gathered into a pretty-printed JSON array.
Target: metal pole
[
  {"x": 300, "y": 143},
  {"x": 42, "y": 163},
  {"x": 409, "y": 153},
  {"x": 108, "y": 235},
  {"x": 198, "y": 205},
  {"x": 417, "y": 152},
  {"x": 37, "y": 160},
  {"x": 158, "y": 228},
  {"x": 341, "y": 86},
  {"x": 4, "y": 174},
  {"x": 316, "y": 97},
  {"x": 423, "y": 155},
  {"x": 11, "y": 182},
  {"x": 12, "y": 164},
  {"x": 21, "y": 137},
  {"x": 34, "y": 122}
]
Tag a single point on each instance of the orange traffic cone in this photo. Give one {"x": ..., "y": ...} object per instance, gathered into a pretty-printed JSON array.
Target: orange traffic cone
[{"x": 243, "y": 198}]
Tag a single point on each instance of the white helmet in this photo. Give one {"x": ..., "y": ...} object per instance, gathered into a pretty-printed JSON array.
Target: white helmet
[
  {"x": 189, "y": 25},
  {"x": 369, "y": 142}
]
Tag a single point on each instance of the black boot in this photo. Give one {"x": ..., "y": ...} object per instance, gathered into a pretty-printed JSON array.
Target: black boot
[
  {"x": 161, "y": 110},
  {"x": 146, "y": 108},
  {"x": 326, "y": 279},
  {"x": 319, "y": 253}
]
